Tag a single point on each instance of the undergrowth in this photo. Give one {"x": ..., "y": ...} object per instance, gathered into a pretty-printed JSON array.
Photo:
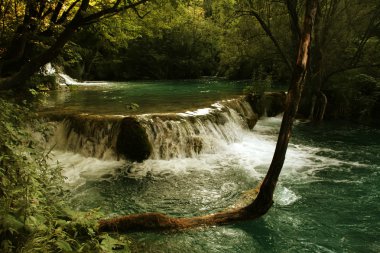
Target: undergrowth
[{"x": 32, "y": 213}]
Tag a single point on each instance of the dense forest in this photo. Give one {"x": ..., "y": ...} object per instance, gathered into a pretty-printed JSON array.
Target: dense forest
[
  {"x": 189, "y": 39},
  {"x": 160, "y": 40}
]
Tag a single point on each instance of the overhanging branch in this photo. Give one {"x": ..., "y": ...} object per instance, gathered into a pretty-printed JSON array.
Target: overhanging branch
[{"x": 115, "y": 9}]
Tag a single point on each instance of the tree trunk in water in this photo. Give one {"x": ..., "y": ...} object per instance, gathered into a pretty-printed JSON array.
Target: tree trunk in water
[
  {"x": 318, "y": 108},
  {"x": 318, "y": 98},
  {"x": 264, "y": 199}
]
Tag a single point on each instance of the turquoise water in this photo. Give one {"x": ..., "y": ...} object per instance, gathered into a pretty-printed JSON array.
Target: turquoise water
[
  {"x": 336, "y": 208},
  {"x": 327, "y": 200},
  {"x": 150, "y": 96}
]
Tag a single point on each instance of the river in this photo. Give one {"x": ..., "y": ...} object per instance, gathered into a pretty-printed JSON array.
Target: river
[{"x": 327, "y": 199}]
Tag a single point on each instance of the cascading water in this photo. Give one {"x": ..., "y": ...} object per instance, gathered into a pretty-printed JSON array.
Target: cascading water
[
  {"x": 170, "y": 135},
  {"x": 64, "y": 79},
  {"x": 88, "y": 136},
  {"x": 203, "y": 131},
  {"x": 201, "y": 161}
]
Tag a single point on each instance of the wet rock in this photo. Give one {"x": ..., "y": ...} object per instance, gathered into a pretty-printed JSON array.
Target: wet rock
[
  {"x": 275, "y": 103},
  {"x": 132, "y": 141},
  {"x": 257, "y": 102},
  {"x": 269, "y": 103},
  {"x": 252, "y": 120}
]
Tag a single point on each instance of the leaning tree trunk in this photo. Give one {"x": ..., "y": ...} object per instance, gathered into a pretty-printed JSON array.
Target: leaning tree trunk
[{"x": 264, "y": 199}]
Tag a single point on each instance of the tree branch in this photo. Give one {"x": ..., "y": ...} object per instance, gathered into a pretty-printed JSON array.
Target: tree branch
[
  {"x": 115, "y": 9},
  {"x": 66, "y": 13},
  {"x": 56, "y": 11},
  {"x": 268, "y": 32}
]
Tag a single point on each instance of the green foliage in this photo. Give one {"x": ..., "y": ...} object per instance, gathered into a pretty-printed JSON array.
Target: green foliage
[
  {"x": 262, "y": 82},
  {"x": 172, "y": 41},
  {"x": 43, "y": 82},
  {"x": 32, "y": 217},
  {"x": 26, "y": 183},
  {"x": 354, "y": 96}
]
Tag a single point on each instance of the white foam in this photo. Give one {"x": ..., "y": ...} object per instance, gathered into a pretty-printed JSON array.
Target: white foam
[
  {"x": 284, "y": 196},
  {"x": 68, "y": 80},
  {"x": 203, "y": 111},
  {"x": 77, "y": 169},
  {"x": 249, "y": 151}
]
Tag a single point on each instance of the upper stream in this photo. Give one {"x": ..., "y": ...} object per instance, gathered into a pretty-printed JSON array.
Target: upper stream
[
  {"x": 327, "y": 199},
  {"x": 144, "y": 96}
]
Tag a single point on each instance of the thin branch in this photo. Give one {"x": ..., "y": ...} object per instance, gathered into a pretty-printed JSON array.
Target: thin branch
[
  {"x": 270, "y": 35},
  {"x": 115, "y": 9},
  {"x": 56, "y": 11},
  {"x": 65, "y": 14}
]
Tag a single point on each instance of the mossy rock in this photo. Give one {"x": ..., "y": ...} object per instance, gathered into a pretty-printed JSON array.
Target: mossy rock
[
  {"x": 252, "y": 120},
  {"x": 132, "y": 141}
]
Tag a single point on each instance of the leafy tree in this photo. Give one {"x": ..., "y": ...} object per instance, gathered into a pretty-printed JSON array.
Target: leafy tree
[
  {"x": 340, "y": 46},
  {"x": 43, "y": 30},
  {"x": 346, "y": 38}
]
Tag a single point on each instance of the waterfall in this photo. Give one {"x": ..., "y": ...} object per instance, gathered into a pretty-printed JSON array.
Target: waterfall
[
  {"x": 49, "y": 69},
  {"x": 156, "y": 136},
  {"x": 68, "y": 80},
  {"x": 89, "y": 136},
  {"x": 203, "y": 131},
  {"x": 64, "y": 79}
]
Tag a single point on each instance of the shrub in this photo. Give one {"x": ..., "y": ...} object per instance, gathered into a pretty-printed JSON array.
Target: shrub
[{"x": 32, "y": 217}]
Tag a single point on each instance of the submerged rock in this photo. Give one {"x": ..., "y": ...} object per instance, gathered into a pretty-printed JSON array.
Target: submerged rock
[{"x": 132, "y": 141}]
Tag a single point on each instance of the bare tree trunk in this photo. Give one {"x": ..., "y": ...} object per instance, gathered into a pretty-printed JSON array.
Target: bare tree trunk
[{"x": 264, "y": 199}]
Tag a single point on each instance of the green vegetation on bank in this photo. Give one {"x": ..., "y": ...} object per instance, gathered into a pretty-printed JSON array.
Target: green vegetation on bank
[{"x": 33, "y": 216}]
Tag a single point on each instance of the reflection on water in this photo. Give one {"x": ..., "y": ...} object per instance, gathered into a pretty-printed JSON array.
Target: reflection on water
[{"x": 149, "y": 96}]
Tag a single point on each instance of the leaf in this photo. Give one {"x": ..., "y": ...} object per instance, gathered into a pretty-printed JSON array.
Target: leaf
[
  {"x": 11, "y": 222},
  {"x": 62, "y": 245}
]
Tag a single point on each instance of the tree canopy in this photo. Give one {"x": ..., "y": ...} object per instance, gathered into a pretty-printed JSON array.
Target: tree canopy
[
  {"x": 40, "y": 29},
  {"x": 174, "y": 39}
]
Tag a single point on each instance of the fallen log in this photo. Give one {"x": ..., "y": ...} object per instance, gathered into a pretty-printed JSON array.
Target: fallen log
[{"x": 158, "y": 221}]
